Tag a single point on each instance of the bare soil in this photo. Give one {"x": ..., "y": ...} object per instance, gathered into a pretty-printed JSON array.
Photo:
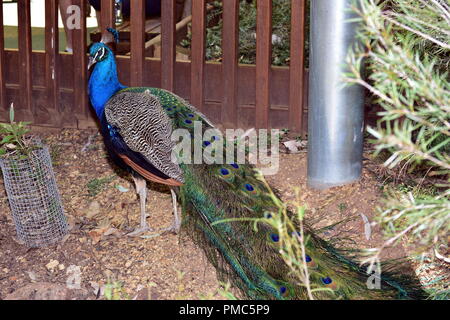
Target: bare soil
[{"x": 101, "y": 212}]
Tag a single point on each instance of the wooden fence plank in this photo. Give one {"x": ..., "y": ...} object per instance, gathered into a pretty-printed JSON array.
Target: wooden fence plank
[
  {"x": 213, "y": 97},
  {"x": 3, "y": 102},
  {"x": 297, "y": 66},
  {"x": 263, "y": 62},
  {"x": 38, "y": 76},
  {"x": 108, "y": 16},
  {"x": 51, "y": 56},
  {"x": 81, "y": 106},
  {"x": 168, "y": 15},
  {"x": 198, "y": 53},
  {"x": 137, "y": 43},
  {"x": 230, "y": 45},
  {"x": 25, "y": 76}
]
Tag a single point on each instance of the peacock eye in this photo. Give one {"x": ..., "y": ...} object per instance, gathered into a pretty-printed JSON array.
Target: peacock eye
[
  {"x": 249, "y": 187},
  {"x": 327, "y": 280},
  {"x": 100, "y": 54},
  {"x": 275, "y": 237}
]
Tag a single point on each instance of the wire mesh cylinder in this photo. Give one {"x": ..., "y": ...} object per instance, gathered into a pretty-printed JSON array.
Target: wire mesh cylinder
[{"x": 34, "y": 198}]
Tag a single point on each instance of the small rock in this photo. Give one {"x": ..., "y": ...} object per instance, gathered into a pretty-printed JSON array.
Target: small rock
[
  {"x": 74, "y": 173},
  {"x": 128, "y": 263},
  {"x": 93, "y": 209},
  {"x": 32, "y": 275},
  {"x": 291, "y": 145},
  {"x": 61, "y": 266},
  {"x": 74, "y": 277},
  {"x": 5, "y": 270},
  {"x": 39, "y": 291},
  {"x": 52, "y": 265}
]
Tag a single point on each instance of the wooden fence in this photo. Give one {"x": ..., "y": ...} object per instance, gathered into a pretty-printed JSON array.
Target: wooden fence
[{"x": 49, "y": 88}]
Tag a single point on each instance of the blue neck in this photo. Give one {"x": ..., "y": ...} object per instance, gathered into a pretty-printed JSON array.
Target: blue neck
[{"x": 103, "y": 83}]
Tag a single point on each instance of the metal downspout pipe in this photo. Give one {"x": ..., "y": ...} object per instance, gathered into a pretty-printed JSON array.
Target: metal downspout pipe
[{"x": 336, "y": 114}]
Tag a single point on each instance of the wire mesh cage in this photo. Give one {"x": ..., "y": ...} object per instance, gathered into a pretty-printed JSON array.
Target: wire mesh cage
[{"x": 34, "y": 198}]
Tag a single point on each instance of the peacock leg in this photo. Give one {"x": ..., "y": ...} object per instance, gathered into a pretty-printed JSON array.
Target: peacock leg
[
  {"x": 141, "y": 189},
  {"x": 175, "y": 227}
]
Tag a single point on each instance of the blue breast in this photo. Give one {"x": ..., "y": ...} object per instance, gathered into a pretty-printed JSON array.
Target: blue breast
[{"x": 103, "y": 84}]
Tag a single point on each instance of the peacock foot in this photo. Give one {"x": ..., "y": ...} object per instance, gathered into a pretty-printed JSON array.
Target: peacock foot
[{"x": 174, "y": 228}]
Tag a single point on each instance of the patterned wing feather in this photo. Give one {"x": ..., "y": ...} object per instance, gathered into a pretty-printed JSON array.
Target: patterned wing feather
[{"x": 145, "y": 127}]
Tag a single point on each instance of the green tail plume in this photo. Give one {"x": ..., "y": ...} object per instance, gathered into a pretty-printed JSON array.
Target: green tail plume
[{"x": 215, "y": 200}]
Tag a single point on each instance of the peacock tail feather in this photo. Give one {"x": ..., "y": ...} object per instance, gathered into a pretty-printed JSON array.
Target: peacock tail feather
[{"x": 221, "y": 203}]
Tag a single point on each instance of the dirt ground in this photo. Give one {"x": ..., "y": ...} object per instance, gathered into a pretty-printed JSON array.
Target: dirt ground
[{"x": 102, "y": 207}]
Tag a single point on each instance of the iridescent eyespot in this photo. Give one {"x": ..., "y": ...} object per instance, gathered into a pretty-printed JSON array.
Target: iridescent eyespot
[
  {"x": 249, "y": 187},
  {"x": 275, "y": 237},
  {"x": 267, "y": 215},
  {"x": 283, "y": 290},
  {"x": 310, "y": 262},
  {"x": 226, "y": 175},
  {"x": 188, "y": 121},
  {"x": 190, "y": 115},
  {"x": 215, "y": 138},
  {"x": 234, "y": 165},
  {"x": 329, "y": 283},
  {"x": 206, "y": 143},
  {"x": 169, "y": 109}
]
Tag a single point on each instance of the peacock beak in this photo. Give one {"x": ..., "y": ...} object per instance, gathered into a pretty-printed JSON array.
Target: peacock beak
[{"x": 91, "y": 62}]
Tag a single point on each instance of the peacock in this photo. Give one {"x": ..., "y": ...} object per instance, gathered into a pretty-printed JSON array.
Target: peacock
[{"x": 218, "y": 200}]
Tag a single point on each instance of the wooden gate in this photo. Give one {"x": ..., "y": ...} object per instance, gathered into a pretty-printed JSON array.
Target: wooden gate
[{"x": 49, "y": 87}]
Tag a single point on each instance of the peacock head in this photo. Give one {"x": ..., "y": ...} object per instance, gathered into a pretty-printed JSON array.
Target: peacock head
[{"x": 98, "y": 52}]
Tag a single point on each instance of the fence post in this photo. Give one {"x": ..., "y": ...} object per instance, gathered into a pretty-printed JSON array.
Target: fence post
[
  {"x": 80, "y": 65},
  {"x": 108, "y": 16},
  {"x": 25, "y": 76},
  {"x": 297, "y": 66},
  {"x": 137, "y": 43},
  {"x": 263, "y": 62},
  {"x": 198, "y": 53},
  {"x": 2, "y": 64},
  {"x": 168, "y": 16},
  {"x": 51, "y": 57},
  {"x": 336, "y": 113},
  {"x": 230, "y": 36}
]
